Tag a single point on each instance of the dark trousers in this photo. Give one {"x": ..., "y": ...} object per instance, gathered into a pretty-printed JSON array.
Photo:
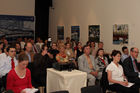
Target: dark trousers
[
  {"x": 122, "y": 89},
  {"x": 4, "y": 79}
]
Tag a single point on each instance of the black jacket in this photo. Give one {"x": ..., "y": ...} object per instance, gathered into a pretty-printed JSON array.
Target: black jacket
[{"x": 129, "y": 70}]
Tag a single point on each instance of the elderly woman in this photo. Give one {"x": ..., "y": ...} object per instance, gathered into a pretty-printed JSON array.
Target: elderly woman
[
  {"x": 19, "y": 77},
  {"x": 100, "y": 60}
]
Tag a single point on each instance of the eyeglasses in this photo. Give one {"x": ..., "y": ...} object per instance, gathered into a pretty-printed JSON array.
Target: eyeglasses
[
  {"x": 12, "y": 51},
  {"x": 136, "y": 52}
]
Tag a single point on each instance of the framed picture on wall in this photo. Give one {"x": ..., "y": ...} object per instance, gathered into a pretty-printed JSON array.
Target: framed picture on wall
[
  {"x": 15, "y": 26},
  {"x": 75, "y": 33},
  {"x": 60, "y": 32},
  {"x": 94, "y": 33},
  {"x": 120, "y": 34}
]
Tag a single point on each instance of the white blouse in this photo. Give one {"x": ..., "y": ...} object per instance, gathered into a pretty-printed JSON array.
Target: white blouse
[{"x": 117, "y": 71}]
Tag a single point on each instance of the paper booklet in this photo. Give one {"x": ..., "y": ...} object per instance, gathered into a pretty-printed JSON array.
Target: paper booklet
[
  {"x": 130, "y": 84},
  {"x": 30, "y": 90}
]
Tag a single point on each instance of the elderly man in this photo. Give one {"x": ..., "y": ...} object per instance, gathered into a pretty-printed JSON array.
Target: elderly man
[
  {"x": 86, "y": 63},
  {"x": 131, "y": 67}
]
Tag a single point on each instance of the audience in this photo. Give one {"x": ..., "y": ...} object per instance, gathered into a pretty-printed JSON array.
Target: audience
[
  {"x": 87, "y": 64},
  {"x": 117, "y": 80},
  {"x": 90, "y": 59},
  {"x": 19, "y": 77}
]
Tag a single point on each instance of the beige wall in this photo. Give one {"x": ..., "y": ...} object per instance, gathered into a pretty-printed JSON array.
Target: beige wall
[
  {"x": 102, "y": 12},
  {"x": 17, "y": 7}
]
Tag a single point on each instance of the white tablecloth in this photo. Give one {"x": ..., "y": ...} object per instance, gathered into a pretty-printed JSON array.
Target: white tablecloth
[{"x": 64, "y": 80}]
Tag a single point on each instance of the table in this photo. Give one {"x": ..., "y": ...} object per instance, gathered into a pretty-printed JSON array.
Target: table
[{"x": 64, "y": 80}]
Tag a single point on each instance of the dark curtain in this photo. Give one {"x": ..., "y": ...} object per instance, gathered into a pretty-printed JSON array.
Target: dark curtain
[{"x": 42, "y": 18}]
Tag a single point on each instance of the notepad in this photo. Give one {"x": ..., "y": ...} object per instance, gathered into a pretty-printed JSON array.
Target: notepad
[
  {"x": 130, "y": 84},
  {"x": 30, "y": 90}
]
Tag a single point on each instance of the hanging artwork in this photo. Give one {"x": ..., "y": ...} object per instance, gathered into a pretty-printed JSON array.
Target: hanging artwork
[
  {"x": 13, "y": 27},
  {"x": 75, "y": 33},
  {"x": 120, "y": 34},
  {"x": 60, "y": 32},
  {"x": 94, "y": 33}
]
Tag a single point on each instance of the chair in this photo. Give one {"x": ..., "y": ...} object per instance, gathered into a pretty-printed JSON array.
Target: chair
[
  {"x": 63, "y": 91},
  {"x": 91, "y": 89},
  {"x": 104, "y": 83}
]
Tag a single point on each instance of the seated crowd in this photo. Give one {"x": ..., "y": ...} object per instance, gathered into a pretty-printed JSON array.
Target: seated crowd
[{"x": 24, "y": 63}]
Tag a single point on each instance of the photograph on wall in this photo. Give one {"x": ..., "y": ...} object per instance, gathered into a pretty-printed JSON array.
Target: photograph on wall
[
  {"x": 120, "y": 34},
  {"x": 75, "y": 33},
  {"x": 94, "y": 33},
  {"x": 60, "y": 32},
  {"x": 13, "y": 27}
]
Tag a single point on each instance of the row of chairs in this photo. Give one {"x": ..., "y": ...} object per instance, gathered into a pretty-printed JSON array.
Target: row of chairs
[{"x": 89, "y": 89}]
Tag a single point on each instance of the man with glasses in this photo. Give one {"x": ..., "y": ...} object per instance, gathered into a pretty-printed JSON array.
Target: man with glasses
[
  {"x": 8, "y": 63},
  {"x": 132, "y": 67}
]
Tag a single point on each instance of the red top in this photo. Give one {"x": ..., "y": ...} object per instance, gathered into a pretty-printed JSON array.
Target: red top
[{"x": 16, "y": 84}]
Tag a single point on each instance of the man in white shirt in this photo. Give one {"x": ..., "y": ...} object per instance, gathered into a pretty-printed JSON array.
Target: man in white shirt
[
  {"x": 9, "y": 62},
  {"x": 125, "y": 53}
]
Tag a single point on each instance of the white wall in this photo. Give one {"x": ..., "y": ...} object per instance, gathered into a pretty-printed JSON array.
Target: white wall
[
  {"x": 102, "y": 12},
  {"x": 17, "y": 7}
]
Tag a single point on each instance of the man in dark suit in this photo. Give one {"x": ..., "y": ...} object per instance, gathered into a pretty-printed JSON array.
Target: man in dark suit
[{"x": 132, "y": 67}]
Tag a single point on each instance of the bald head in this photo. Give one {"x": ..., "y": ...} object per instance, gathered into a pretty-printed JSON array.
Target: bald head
[
  {"x": 134, "y": 52},
  {"x": 28, "y": 47}
]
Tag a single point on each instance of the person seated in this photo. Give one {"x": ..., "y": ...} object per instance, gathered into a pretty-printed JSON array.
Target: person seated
[
  {"x": 62, "y": 56},
  {"x": 117, "y": 80},
  {"x": 86, "y": 63},
  {"x": 8, "y": 62},
  {"x": 93, "y": 50},
  {"x": 132, "y": 67},
  {"x": 42, "y": 61},
  {"x": 19, "y": 77},
  {"x": 78, "y": 51},
  {"x": 18, "y": 49},
  {"x": 100, "y": 60},
  {"x": 69, "y": 51},
  {"x": 54, "y": 50},
  {"x": 125, "y": 53}
]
